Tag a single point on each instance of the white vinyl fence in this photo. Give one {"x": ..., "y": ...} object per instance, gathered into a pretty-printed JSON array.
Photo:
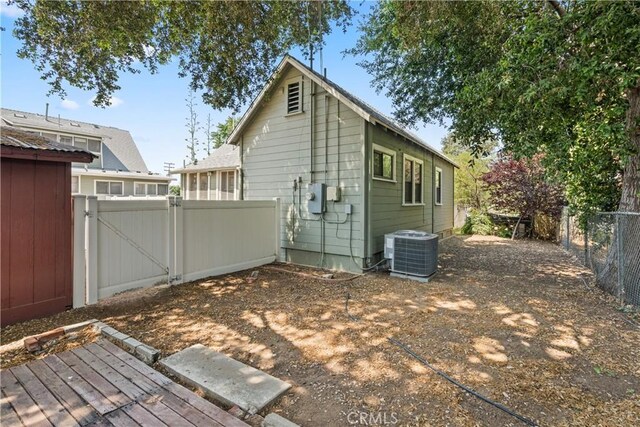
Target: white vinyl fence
[{"x": 126, "y": 244}]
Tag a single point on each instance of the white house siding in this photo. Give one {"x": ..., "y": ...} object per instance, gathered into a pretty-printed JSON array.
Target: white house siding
[
  {"x": 276, "y": 151},
  {"x": 87, "y": 184},
  {"x": 443, "y": 215},
  {"x": 387, "y": 212}
]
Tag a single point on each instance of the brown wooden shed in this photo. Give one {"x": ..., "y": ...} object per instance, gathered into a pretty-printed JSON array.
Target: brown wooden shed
[{"x": 37, "y": 225}]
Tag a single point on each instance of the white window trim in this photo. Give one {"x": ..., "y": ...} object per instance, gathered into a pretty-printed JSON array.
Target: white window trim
[
  {"x": 286, "y": 96},
  {"x": 435, "y": 193},
  {"x": 406, "y": 157},
  {"x": 146, "y": 190},
  {"x": 390, "y": 152},
  {"x": 95, "y": 187},
  {"x": 78, "y": 178}
]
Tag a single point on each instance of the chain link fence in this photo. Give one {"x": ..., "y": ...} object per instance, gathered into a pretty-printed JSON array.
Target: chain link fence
[{"x": 610, "y": 247}]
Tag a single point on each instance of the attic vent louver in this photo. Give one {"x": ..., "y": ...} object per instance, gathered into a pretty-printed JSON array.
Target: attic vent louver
[
  {"x": 74, "y": 124},
  {"x": 294, "y": 97}
]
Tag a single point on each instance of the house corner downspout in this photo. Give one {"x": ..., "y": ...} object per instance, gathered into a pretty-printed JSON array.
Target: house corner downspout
[
  {"x": 241, "y": 168},
  {"x": 433, "y": 191}
]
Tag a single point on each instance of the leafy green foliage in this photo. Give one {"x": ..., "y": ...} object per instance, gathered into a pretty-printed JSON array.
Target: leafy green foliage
[
  {"x": 557, "y": 78},
  {"x": 469, "y": 188},
  {"x": 227, "y": 48},
  {"x": 174, "y": 190},
  {"x": 223, "y": 130}
]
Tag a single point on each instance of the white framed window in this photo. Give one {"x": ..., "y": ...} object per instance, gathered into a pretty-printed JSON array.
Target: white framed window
[
  {"x": 294, "y": 96},
  {"x": 438, "y": 187},
  {"x": 66, "y": 139},
  {"x": 150, "y": 189},
  {"x": 75, "y": 184},
  {"x": 112, "y": 188},
  {"x": 413, "y": 177},
  {"x": 384, "y": 163}
]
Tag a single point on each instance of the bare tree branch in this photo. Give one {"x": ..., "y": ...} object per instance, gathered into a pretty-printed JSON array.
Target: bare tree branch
[{"x": 558, "y": 8}]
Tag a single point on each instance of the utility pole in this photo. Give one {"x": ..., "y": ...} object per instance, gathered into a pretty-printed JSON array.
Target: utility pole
[{"x": 168, "y": 166}]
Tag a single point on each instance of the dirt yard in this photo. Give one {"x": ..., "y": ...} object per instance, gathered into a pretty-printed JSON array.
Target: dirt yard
[{"x": 513, "y": 320}]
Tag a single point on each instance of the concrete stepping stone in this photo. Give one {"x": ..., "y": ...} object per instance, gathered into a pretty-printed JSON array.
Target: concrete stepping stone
[{"x": 225, "y": 379}]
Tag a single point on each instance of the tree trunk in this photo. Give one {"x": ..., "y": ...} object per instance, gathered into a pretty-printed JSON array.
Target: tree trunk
[
  {"x": 629, "y": 202},
  {"x": 630, "y": 199},
  {"x": 515, "y": 229}
]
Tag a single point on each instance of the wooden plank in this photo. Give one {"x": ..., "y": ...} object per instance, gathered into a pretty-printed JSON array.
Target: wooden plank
[
  {"x": 79, "y": 385},
  {"x": 176, "y": 404},
  {"x": 22, "y": 196},
  {"x": 52, "y": 408},
  {"x": 78, "y": 408},
  {"x": 125, "y": 385},
  {"x": 21, "y": 402},
  {"x": 142, "y": 416},
  {"x": 5, "y": 227},
  {"x": 181, "y": 392},
  {"x": 154, "y": 403},
  {"x": 157, "y": 405},
  {"x": 120, "y": 419},
  {"x": 95, "y": 379},
  {"x": 8, "y": 416}
]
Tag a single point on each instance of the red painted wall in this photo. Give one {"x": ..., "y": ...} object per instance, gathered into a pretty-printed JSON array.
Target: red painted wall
[{"x": 36, "y": 232}]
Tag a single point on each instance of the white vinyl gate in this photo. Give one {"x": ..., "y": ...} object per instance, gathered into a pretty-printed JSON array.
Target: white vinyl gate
[{"x": 127, "y": 244}]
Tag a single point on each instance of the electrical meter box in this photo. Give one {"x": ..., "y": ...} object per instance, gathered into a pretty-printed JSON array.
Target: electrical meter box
[{"x": 316, "y": 196}]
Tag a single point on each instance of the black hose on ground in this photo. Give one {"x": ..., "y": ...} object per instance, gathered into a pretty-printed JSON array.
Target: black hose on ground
[{"x": 462, "y": 386}]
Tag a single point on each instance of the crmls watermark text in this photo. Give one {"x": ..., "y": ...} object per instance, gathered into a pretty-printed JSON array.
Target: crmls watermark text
[{"x": 365, "y": 418}]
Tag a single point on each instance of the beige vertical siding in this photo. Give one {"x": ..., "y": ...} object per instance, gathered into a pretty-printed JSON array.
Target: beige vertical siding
[{"x": 276, "y": 150}]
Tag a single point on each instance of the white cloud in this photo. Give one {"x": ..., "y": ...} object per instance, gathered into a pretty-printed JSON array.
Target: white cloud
[
  {"x": 10, "y": 10},
  {"x": 68, "y": 104},
  {"x": 114, "y": 101}
]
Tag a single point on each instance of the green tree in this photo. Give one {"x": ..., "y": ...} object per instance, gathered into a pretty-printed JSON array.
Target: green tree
[
  {"x": 469, "y": 189},
  {"x": 555, "y": 78},
  {"x": 227, "y": 48},
  {"x": 223, "y": 130}
]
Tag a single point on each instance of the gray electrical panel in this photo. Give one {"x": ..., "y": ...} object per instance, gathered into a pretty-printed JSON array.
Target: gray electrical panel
[{"x": 316, "y": 195}]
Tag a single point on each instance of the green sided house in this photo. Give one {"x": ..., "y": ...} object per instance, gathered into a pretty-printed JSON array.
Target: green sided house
[{"x": 345, "y": 174}]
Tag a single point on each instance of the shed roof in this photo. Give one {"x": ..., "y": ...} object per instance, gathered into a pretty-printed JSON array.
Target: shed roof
[
  {"x": 363, "y": 109},
  {"x": 13, "y": 138},
  {"x": 119, "y": 149},
  {"x": 227, "y": 156}
]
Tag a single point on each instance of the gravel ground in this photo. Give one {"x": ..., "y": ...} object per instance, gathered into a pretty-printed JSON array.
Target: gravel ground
[{"x": 514, "y": 320}]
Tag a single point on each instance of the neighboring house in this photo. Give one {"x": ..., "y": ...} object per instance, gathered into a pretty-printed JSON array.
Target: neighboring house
[
  {"x": 118, "y": 168},
  {"x": 304, "y": 136},
  {"x": 214, "y": 178},
  {"x": 35, "y": 206}
]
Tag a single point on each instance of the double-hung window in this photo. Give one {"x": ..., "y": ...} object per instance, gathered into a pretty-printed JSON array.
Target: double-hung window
[
  {"x": 113, "y": 188},
  {"x": 150, "y": 189},
  {"x": 412, "y": 180},
  {"x": 383, "y": 163},
  {"x": 438, "y": 185}
]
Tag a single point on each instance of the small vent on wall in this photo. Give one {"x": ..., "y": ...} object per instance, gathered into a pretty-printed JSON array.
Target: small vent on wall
[{"x": 294, "y": 97}]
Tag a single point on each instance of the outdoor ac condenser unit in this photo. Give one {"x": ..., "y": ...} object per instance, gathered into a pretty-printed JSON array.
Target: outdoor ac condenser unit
[{"x": 413, "y": 254}]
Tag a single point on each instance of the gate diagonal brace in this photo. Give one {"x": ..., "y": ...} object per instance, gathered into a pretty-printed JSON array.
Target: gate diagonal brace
[{"x": 133, "y": 244}]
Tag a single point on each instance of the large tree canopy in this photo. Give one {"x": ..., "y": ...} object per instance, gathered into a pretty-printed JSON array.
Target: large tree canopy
[
  {"x": 227, "y": 48},
  {"x": 557, "y": 78}
]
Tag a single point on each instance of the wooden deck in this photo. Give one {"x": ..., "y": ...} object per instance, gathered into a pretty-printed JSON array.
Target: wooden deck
[{"x": 101, "y": 385}]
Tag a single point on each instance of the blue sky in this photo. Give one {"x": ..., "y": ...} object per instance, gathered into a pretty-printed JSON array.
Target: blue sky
[{"x": 152, "y": 106}]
